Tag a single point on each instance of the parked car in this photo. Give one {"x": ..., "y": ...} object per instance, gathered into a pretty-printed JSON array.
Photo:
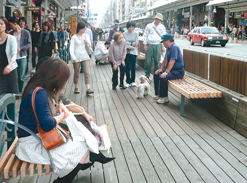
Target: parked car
[
  {"x": 207, "y": 36},
  {"x": 140, "y": 32}
]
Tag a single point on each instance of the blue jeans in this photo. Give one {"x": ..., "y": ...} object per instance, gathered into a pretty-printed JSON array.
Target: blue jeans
[
  {"x": 130, "y": 65},
  {"x": 22, "y": 64},
  {"x": 161, "y": 84}
]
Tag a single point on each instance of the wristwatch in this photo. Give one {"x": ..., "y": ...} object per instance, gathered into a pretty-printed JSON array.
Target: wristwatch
[{"x": 167, "y": 71}]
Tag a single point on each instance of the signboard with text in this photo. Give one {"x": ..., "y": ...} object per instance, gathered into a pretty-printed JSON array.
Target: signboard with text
[
  {"x": 17, "y": 3},
  {"x": 38, "y": 8},
  {"x": 245, "y": 14},
  {"x": 73, "y": 25}
]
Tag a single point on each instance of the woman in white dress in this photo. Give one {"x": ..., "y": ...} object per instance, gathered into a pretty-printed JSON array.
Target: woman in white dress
[
  {"x": 68, "y": 158},
  {"x": 80, "y": 56}
]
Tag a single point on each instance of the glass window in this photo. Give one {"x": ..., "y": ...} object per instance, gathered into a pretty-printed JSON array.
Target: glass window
[
  {"x": 195, "y": 30},
  {"x": 209, "y": 30}
]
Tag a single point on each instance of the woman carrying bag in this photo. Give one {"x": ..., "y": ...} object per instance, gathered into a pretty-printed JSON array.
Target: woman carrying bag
[
  {"x": 46, "y": 41},
  {"x": 68, "y": 158},
  {"x": 80, "y": 56}
]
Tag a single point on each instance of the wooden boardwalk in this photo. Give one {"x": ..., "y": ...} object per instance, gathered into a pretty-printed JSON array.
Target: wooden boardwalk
[{"x": 153, "y": 143}]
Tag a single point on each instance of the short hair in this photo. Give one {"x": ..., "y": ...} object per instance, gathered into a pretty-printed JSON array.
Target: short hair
[
  {"x": 107, "y": 42},
  {"x": 13, "y": 20},
  {"x": 5, "y": 22},
  {"x": 117, "y": 21},
  {"x": 23, "y": 19},
  {"x": 80, "y": 25},
  {"x": 34, "y": 24},
  {"x": 46, "y": 24},
  {"x": 116, "y": 35},
  {"x": 130, "y": 23}
]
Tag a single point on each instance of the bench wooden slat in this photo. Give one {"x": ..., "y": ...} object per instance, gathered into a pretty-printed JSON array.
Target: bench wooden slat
[
  {"x": 32, "y": 167},
  {"x": 16, "y": 167},
  {"x": 40, "y": 169},
  {"x": 6, "y": 157},
  {"x": 47, "y": 169},
  {"x": 24, "y": 168},
  {"x": 9, "y": 166}
]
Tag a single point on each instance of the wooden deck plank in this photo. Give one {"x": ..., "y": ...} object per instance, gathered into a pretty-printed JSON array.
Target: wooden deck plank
[
  {"x": 145, "y": 163},
  {"x": 222, "y": 163},
  {"x": 158, "y": 164},
  {"x": 223, "y": 152},
  {"x": 121, "y": 166},
  {"x": 44, "y": 178},
  {"x": 206, "y": 160},
  {"x": 169, "y": 161},
  {"x": 202, "y": 170},
  {"x": 182, "y": 162},
  {"x": 135, "y": 170}
]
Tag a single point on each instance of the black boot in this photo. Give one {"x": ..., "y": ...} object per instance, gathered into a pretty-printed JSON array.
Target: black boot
[
  {"x": 69, "y": 178},
  {"x": 99, "y": 158},
  {"x": 86, "y": 166}
]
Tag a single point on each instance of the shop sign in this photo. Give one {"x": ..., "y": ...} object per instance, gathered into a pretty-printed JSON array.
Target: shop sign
[
  {"x": 245, "y": 14},
  {"x": 38, "y": 8},
  {"x": 187, "y": 15},
  {"x": 17, "y": 3}
]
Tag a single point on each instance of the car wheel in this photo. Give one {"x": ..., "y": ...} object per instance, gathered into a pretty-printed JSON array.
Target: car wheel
[
  {"x": 191, "y": 41},
  {"x": 202, "y": 43},
  {"x": 223, "y": 45}
]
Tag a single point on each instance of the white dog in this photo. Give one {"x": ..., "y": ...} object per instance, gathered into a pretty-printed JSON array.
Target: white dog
[{"x": 143, "y": 88}]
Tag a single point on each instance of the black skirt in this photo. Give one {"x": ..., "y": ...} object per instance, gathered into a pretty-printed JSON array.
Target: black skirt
[{"x": 9, "y": 82}]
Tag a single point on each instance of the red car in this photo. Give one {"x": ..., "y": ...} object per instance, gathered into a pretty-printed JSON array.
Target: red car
[{"x": 207, "y": 36}]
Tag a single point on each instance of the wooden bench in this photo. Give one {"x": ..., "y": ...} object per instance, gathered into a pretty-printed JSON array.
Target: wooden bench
[
  {"x": 192, "y": 89},
  {"x": 10, "y": 165}
]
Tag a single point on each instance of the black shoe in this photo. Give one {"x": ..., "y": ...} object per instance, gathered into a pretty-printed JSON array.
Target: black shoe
[
  {"x": 114, "y": 87},
  {"x": 103, "y": 63},
  {"x": 86, "y": 166},
  {"x": 96, "y": 62},
  {"x": 81, "y": 71},
  {"x": 99, "y": 158},
  {"x": 122, "y": 86}
]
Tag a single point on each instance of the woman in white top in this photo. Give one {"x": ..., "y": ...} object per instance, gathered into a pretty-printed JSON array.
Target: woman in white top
[
  {"x": 80, "y": 56},
  {"x": 8, "y": 65}
]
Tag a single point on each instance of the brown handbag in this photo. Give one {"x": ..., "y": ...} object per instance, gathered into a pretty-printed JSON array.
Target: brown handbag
[
  {"x": 55, "y": 137},
  {"x": 56, "y": 46}
]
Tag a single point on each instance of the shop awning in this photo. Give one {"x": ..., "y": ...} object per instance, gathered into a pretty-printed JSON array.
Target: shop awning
[
  {"x": 161, "y": 4},
  {"x": 214, "y": 2}
]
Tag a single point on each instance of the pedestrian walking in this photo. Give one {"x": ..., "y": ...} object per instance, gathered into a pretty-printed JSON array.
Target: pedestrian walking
[
  {"x": 95, "y": 37},
  {"x": 46, "y": 41},
  {"x": 8, "y": 65},
  {"x": 35, "y": 34},
  {"x": 132, "y": 39},
  {"x": 171, "y": 68},
  {"x": 80, "y": 56},
  {"x": 101, "y": 53},
  {"x": 114, "y": 30},
  {"x": 117, "y": 56},
  {"x": 24, "y": 42},
  {"x": 100, "y": 34},
  {"x": 152, "y": 45}
]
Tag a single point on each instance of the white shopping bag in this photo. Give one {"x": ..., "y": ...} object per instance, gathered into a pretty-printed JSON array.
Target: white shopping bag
[
  {"x": 102, "y": 131},
  {"x": 80, "y": 133}
]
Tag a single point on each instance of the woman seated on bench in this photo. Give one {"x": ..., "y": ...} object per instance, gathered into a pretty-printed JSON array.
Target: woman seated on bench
[{"x": 68, "y": 158}]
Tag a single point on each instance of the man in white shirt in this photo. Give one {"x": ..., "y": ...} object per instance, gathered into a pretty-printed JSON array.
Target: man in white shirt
[
  {"x": 152, "y": 46},
  {"x": 101, "y": 53}
]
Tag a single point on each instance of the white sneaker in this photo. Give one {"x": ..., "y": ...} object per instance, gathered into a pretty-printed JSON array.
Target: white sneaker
[
  {"x": 127, "y": 85},
  {"x": 133, "y": 84},
  {"x": 163, "y": 100},
  {"x": 156, "y": 97}
]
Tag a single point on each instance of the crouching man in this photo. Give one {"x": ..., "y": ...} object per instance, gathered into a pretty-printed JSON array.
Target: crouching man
[
  {"x": 101, "y": 53},
  {"x": 171, "y": 68}
]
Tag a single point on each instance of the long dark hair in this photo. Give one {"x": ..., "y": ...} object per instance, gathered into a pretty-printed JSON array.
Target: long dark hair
[
  {"x": 52, "y": 75},
  {"x": 46, "y": 24},
  {"x": 80, "y": 26},
  {"x": 6, "y": 22}
]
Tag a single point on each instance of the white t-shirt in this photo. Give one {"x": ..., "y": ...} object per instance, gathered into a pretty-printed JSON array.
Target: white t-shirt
[
  {"x": 77, "y": 48},
  {"x": 18, "y": 40},
  {"x": 101, "y": 50}
]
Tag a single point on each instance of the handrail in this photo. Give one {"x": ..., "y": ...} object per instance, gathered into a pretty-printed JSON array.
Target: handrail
[{"x": 30, "y": 132}]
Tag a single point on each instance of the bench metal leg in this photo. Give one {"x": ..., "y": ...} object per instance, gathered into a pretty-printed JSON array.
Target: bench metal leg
[{"x": 182, "y": 105}]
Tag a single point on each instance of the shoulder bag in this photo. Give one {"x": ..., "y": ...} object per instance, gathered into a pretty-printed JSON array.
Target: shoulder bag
[
  {"x": 54, "y": 138},
  {"x": 88, "y": 48},
  {"x": 162, "y": 53}
]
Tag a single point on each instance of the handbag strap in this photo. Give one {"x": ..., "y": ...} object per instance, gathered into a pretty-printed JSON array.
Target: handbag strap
[
  {"x": 33, "y": 104},
  {"x": 75, "y": 105},
  {"x": 157, "y": 32}
]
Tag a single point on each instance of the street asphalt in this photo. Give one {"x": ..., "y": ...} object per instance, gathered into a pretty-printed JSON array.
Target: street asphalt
[{"x": 231, "y": 50}]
